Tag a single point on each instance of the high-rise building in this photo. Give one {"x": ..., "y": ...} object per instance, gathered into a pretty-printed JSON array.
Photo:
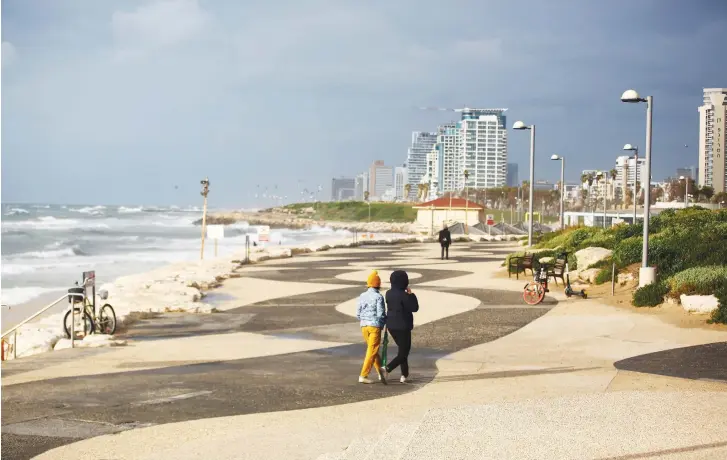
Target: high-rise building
[
  {"x": 381, "y": 178},
  {"x": 361, "y": 186},
  {"x": 416, "y": 161},
  {"x": 513, "y": 180},
  {"x": 400, "y": 181},
  {"x": 687, "y": 172},
  {"x": 342, "y": 188},
  {"x": 484, "y": 147},
  {"x": 712, "y": 130},
  {"x": 627, "y": 164},
  {"x": 449, "y": 174}
]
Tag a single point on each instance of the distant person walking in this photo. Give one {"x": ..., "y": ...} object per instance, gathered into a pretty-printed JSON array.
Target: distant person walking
[
  {"x": 445, "y": 239},
  {"x": 401, "y": 304},
  {"x": 372, "y": 314}
]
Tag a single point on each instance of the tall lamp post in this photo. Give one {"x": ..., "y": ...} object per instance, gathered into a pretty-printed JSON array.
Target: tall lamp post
[
  {"x": 630, "y": 147},
  {"x": 562, "y": 187},
  {"x": 647, "y": 275},
  {"x": 686, "y": 190},
  {"x": 466, "y": 200},
  {"x": 205, "y": 190},
  {"x": 519, "y": 125}
]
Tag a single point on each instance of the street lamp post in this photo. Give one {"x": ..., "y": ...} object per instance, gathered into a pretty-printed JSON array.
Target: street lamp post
[
  {"x": 519, "y": 125},
  {"x": 205, "y": 191},
  {"x": 630, "y": 147},
  {"x": 466, "y": 200},
  {"x": 686, "y": 190},
  {"x": 562, "y": 187},
  {"x": 647, "y": 275}
]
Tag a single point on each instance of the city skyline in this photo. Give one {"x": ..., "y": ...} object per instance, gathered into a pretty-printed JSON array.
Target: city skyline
[{"x": 151, "y": 97}]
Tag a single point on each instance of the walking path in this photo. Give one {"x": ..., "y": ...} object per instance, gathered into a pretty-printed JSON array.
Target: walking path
[{"x": 274, "y": 374}]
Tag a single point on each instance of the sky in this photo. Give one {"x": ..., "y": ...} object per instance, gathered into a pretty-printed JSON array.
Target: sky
[{"x": 134, "y": 102}]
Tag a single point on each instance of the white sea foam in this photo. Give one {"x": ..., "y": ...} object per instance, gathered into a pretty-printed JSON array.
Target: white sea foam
[
  {"x": 16, "y": 212},
  {"x": 92, "y": 210},
  {"x": 125, "y": 210}
]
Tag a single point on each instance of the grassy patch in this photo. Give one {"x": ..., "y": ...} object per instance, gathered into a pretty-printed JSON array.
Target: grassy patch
[{"x": 698, "y": 281}]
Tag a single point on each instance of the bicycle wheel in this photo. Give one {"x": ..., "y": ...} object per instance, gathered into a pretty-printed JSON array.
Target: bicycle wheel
[
  {"x": 83, "y": 326},
  {"x": 107, "y": 320},
  {"x": 533, "y": 293}
]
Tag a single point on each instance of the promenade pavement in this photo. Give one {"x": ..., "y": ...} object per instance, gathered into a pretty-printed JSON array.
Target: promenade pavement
[{"x": 273, "y": 375}]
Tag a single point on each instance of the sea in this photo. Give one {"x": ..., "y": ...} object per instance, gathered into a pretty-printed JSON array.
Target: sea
[{"x": 46, "y": 248}]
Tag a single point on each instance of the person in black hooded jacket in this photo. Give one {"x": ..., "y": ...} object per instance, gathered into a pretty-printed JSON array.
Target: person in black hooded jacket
[{"x": 401, "y": 303}]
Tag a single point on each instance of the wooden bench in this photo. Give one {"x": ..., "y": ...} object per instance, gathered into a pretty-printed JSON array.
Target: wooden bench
[
  {"x": 520, "y": 264},
  {"x": 557, "y": 270}
]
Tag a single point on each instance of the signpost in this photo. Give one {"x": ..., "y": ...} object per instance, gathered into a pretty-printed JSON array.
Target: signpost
[
  {"x": 216, "y": 232},
  {"x": 264, "y": 234},
  {"x": 490, "y": 221}
]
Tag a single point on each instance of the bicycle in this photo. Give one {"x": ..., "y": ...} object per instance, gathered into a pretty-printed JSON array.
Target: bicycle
[
  {"x": 104, "y": 323},
  {"x": 534, "y": 291}
]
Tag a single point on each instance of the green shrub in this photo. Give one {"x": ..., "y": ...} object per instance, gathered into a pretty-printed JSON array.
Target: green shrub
[
  {"x": 650, "y": 295},
  {"x": 698, "y": 281},
  {"x": 628, "y": 251},
  {"x": 720, "y": 314},
  {"x": 604, "y": 276}
]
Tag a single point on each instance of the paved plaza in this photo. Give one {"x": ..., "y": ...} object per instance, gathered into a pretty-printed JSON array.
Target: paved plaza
[{"x": 273, "y": 374}]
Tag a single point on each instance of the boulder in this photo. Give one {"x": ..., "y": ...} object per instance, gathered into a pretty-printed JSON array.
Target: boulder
[
  {"x": 699, "y": 303},
  {"x": 546, "y": 260},
  {"x": 589, "y": 256},
  {"x": 589, "y": 275}
]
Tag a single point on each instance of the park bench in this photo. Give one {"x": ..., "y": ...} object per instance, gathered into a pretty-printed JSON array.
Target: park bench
[
  {"x": 557, "y": 270},
  {"x": 520, "y": 264}
]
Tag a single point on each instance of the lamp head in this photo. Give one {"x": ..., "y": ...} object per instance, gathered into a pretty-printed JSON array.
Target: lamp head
[
  {"x": 630, "y": 95},
  {"x": 519, "y": 125},
  {"x": 556, "y": 157},
  {"x": 681, "y": 177},
  {"x": 629, "y": 147}
]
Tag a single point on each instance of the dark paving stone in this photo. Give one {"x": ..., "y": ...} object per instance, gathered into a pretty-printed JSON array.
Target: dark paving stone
[
  {"x": 698, "y": 362},
  {"x": 282, "y": 382},
  {"x": 17, "y": 447}
]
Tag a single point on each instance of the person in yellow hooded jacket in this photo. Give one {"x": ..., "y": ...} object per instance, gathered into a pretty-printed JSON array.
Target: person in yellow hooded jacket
[{"x": 371, "y": 312}]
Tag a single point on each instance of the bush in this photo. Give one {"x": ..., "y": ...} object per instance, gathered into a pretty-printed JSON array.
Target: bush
[
  {"x": 720, "y": 314},
  {"x": 650, "y": 295},
  {"x": 628, "y": 251},
  {"x": 604, "y": 276},
  {"x": 698, "y": 281}
]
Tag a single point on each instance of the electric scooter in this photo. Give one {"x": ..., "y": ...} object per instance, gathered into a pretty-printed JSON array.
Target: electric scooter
[{"x": 569, "y": 291}]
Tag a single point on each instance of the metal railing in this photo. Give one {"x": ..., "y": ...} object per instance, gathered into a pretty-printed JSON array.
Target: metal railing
[{"x": 14, "y": 329}]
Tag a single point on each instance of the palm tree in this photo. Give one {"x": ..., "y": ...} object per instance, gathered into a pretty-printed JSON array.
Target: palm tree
[
  {"x": 707, "y": 192},
  {"x": 407, "y": 190}
]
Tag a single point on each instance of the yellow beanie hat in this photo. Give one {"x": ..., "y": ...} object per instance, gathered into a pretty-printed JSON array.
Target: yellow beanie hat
[{"x": 373, "y": 280}]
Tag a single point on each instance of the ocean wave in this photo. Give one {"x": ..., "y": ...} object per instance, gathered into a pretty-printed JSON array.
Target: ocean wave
[
  {"x": 52, "y": 223},
  {"x": 51, "y": 254},
  {"x": 91, "y": 210},
  {"x": 125, "y": 210},
  {"x": 17, "y": 212}
]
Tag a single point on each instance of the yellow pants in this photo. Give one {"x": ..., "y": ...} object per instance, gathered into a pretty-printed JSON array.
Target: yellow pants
[{"x": 372, "y": 336}]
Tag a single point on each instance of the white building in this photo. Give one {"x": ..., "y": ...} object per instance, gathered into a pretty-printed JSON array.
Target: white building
[
  {"x": 484, "y": 147},
  {"x": 401, "y": 178},
  {"x": 361, "y": 186},
  {"x": 712, "y": 130},
  {"x": 381, "y": 178},
  {"x": 630, "y": 166},
  {"x": 416, "y": 160},
  {"x": 433, "y": 173},
  {"x": 449, "y": 147}
]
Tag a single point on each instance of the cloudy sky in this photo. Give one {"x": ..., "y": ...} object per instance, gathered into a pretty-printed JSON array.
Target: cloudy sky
[{"x": 133, "y": 102}]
